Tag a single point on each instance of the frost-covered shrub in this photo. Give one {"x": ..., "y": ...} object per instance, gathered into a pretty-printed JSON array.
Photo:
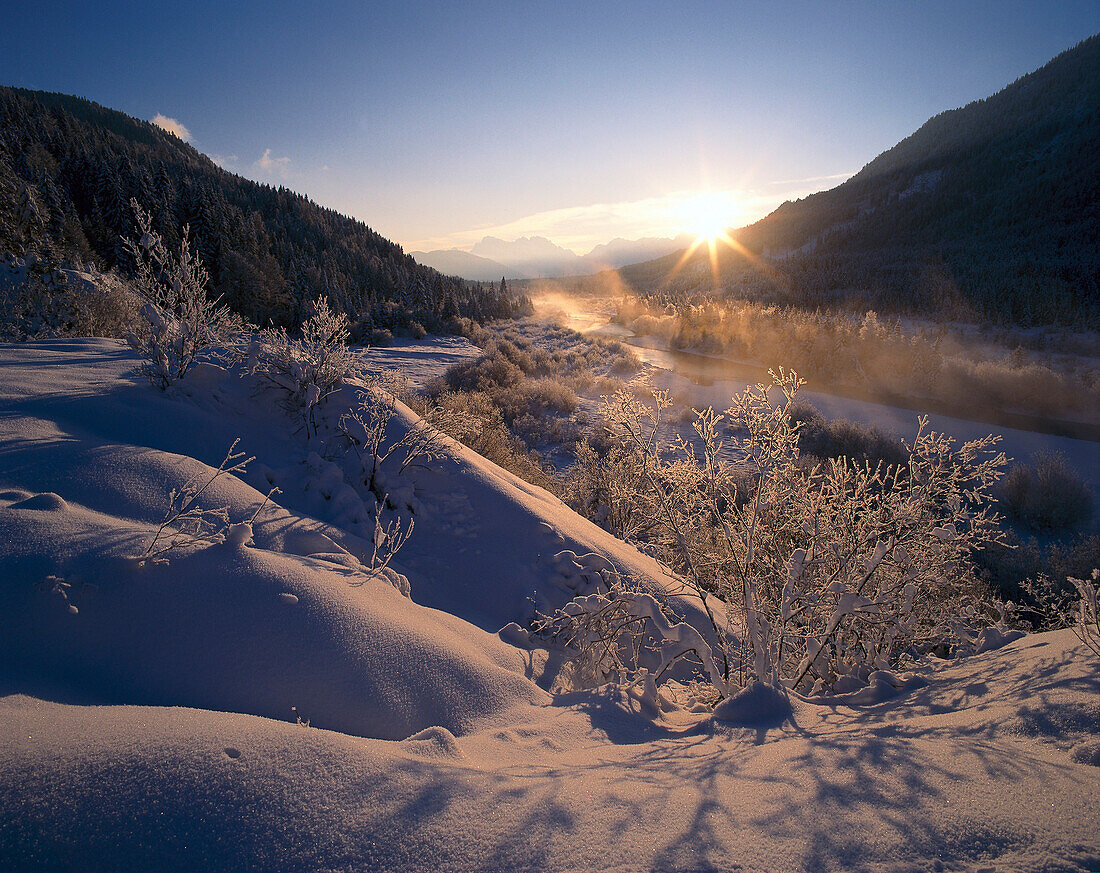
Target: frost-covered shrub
[
  {"x": 623, "y": 635},
  {"x": 535, "y": 397},
  {"x": 99, "y": 306},
  {"x": 1046, "y": 495},
  {"x": 487, "y": 372},
  {"x": 178, "y": 321},
  {"x": 836, "y": 438},
  {"x": 367, "y": 431},
  {"x": 829, "y": 573},
  {"x": 1087, "y": 614},
  {"x": 312, "y": 366},
  {"x": 40, "y": 300},
  {"x": 1067, "y": 602},
  {"x": 380, "y": 336},
  {"x": 187, "y": 522},
  {"x": 1013, "y": 568},
  {"x": 492, "y": 439},
  {"x": 550, "y": 430}
]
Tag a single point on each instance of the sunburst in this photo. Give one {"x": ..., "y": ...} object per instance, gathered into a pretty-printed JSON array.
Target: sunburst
[{"x": 710, "y": 216}]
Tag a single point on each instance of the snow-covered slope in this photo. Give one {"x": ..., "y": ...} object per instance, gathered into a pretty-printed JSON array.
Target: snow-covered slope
[{"x": 156, "y": 727}]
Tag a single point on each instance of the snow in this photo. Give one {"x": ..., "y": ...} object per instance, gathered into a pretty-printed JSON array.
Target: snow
[
  {"x": 420, "y": 361},
  {"x": 267, "y": 703}
]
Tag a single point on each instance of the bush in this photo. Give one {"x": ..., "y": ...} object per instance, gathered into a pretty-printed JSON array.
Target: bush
[
  {"x": 39, "y": 300},
  {"x": 311, "y": 367},
  {"x": 178, "y": 321},
  {"x": 1046, "y": 495},
  {"x": 482, "y": 374},
  {"x": 100, "y": 307},
  {"x": 830, "y": 574},
  {"x": 842, "y": 438},
  {"x": 492, "y": 440},
  {"x": 536, "y": 397}
]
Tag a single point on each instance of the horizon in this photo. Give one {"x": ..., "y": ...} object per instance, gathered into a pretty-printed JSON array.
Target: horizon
[{"x": 438, "y": 127}]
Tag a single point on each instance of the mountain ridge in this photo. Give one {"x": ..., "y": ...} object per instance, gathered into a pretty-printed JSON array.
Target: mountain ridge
[
  {"x": 990, "y": 210},
  {"x": 537, "y": 257},
  {"x": 69, "y": 169}
]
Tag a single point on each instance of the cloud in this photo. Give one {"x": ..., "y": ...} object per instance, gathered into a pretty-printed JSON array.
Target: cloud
[
  {"x": 226, "y": 162},
  {"x": 835, "y": 177},
  {"x": 273, "y": 166},
  {"x": 173, "y": 126},
  {"x": 580, "y": 228}
]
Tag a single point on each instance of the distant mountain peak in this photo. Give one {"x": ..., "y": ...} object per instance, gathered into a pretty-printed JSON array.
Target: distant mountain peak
[{"x": 530, "y": 257}]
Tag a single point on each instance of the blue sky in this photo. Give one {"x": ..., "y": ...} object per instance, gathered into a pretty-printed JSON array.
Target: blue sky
[{"x": 438, "y": 123}]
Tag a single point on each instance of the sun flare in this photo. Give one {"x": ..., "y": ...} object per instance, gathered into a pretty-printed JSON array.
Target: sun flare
[{"x": 708, "y": 216}]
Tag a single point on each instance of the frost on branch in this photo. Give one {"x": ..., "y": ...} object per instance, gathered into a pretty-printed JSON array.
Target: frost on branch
[
  {"x": 178, "y": 322},
  {"x": 311, "y": 367},
  {"x": 187, "y": 523},
  {"x": 1087, "y": 614},
  {"x": 624, "y": 635},
  {"x": 829, "y": 573},
  {"x": 367, "y": 431}
]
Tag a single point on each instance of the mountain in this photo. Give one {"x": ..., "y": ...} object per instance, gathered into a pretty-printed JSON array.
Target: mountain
[
  {"x": 455, "y": 262},
  {"x": 620, "y": 252},
  {"x": 534, "y": 256},
  {"x": 537, "y": 257},
  {"x": 990, "y": 211},
  {"x": 69, "y": 169}
]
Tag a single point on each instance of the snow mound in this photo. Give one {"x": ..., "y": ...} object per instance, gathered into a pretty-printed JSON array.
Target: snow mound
[
  {"x": 212, "y": 629},
  {"x": 48, "y": 502},
  {"x": 755, "y": 706}
]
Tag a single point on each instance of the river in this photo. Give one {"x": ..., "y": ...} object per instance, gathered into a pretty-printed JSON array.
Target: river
[{"x": 709, "y": 381}]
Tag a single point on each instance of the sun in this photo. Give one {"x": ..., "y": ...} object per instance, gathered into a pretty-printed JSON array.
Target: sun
[{"x": 709, "y": 215}]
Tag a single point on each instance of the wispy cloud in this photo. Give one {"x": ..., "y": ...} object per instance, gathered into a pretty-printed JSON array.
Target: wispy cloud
[
  {"x": 580, "y": 228},
  {"x": 809, "y": 180},
  {"x": 273, "y": 166},
  {"x": 173, "y": 126},
  {"x": 226, "y": 162}
]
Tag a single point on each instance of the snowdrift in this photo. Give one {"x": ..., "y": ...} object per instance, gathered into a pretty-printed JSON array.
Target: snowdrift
[
  {"x": 162, "y": 725},
  {"x": 984, "y": 769},
  {"x": 263, "y": 629}
]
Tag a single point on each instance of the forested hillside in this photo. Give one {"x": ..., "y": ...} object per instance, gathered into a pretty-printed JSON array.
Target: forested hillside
[
  {"x": 69, "y": 169},
  {"x": 989, "y": 211}
]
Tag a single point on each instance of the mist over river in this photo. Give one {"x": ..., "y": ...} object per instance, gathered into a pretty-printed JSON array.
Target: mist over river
[{"x": 703, "y": 380}]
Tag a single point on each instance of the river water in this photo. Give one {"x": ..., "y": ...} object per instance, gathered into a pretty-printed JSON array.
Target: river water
[{"x": 707, "y": 381}]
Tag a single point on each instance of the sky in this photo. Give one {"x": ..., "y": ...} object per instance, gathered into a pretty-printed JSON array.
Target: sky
[{"x": 440, "y": 123}]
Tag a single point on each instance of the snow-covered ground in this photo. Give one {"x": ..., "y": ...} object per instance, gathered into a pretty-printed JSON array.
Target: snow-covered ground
[
  {"x": 420, "y": 361},
  {"x": 153, "y": 717}
]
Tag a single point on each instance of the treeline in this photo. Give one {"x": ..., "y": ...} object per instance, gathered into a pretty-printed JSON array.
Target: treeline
[
  {"x": 988, "y": 212},
  {"x": 69, "y": 169}
]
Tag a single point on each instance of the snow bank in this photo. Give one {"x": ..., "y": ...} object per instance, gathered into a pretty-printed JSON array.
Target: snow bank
[
  {"x": 155, "y": 728},
  {"x": 292, "y": 621},
  {"x": 215, "y": 629},
  {"x": 939, "y": 781}
]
